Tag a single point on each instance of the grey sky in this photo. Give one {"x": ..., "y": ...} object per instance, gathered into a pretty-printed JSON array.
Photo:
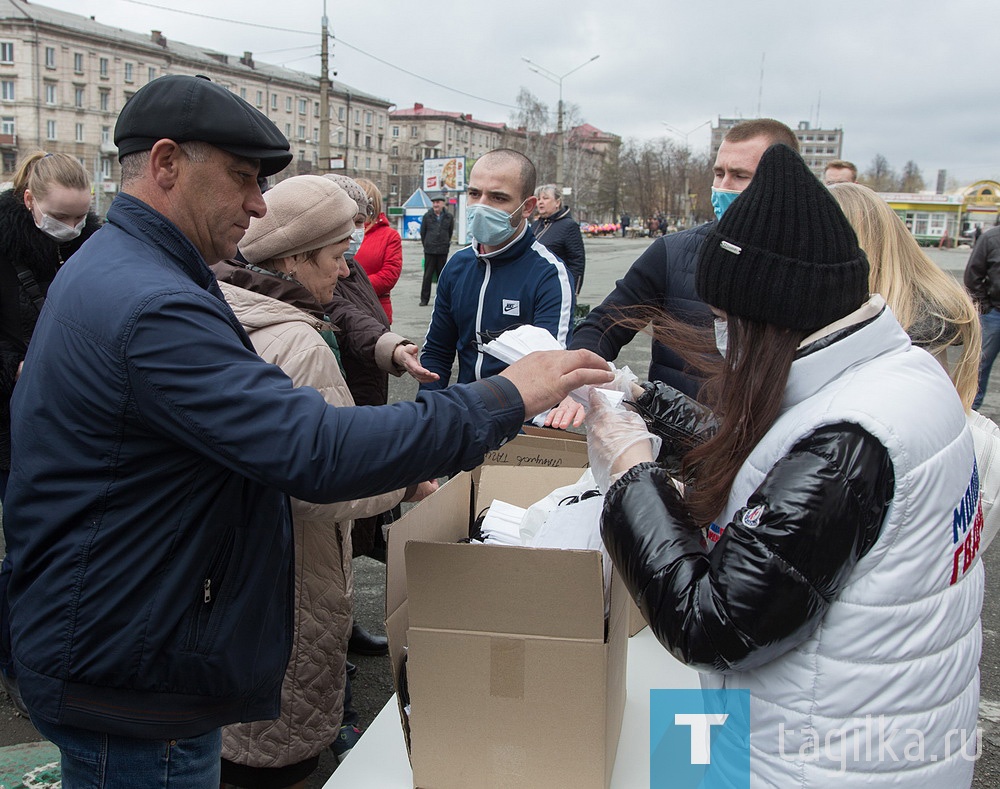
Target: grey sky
[{"x": 911, "y": 80}]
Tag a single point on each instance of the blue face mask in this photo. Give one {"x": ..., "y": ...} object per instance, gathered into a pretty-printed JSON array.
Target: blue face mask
[
  {"x": 489, "y": 225},
  {"x": 722, "y": 199}
]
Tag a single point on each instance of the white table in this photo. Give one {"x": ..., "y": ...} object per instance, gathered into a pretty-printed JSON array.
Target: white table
[{"x": 379, "y": 759}]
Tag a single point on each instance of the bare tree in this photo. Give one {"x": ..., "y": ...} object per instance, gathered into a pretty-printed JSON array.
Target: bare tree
[
  {"x": 880, "y": 176},
  {"x": 911, "y": 180}
]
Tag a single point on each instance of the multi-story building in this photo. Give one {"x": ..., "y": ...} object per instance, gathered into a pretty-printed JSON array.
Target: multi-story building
[
  {"x": 817, "y": 146},
  {"x": 64, "y": 78},
  {"x": 420, "y": 133}
]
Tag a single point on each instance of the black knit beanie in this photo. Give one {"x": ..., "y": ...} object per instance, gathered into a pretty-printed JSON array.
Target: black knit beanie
[{"x": 784, "y": 253}]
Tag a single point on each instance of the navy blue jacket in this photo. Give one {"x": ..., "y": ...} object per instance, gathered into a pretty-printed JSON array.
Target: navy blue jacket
[
  {"x": 662, "y": 277},
  {"x": 147, "y": 515},
  {"x": 481, "y": 296}
]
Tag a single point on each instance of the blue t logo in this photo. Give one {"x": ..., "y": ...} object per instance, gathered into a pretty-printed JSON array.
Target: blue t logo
[{"x": 699, "y": 739}]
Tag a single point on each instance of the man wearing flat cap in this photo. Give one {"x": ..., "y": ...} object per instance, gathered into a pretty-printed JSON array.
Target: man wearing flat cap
[{"x": 154, "y": 452}]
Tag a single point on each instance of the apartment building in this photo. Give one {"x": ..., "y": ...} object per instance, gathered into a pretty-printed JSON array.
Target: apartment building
[
  {"x": 64, "y": 78},
  {"x": 420, "y": 133},
  {"x": 817, "y": 146}
]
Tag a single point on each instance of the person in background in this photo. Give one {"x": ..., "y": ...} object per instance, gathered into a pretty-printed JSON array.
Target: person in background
[
  {"x": 381, "y": 252},
  {"x": 663, "y": 276},
  {"x": 295, "y": 259},
  {"x": 982, "y": 280},
  {"x": 559, "y": 232},
  {"x": 827, "y": 534},
  {"x": 436, "y": 228},
  {"x": 44, "y": 218},
  {"x": 503, "y": 280},
  {"x": 172, "y": 450},
  {"x": 626, "y": 220},
  {"x": 840, "y": 171},
  {"x": 930, "y": 305}
]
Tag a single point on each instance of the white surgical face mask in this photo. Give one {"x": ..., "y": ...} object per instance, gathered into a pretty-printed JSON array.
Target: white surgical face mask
[
  {"x": 55, "y": 229},
  {"x": 722, "y": 335},
  {"x": 356, "y": 238}
]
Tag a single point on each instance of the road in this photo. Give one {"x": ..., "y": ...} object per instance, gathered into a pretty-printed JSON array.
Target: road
[{"x": 607, "y": 259}]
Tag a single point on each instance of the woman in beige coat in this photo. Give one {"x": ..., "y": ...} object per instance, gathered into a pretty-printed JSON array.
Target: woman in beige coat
[{"x": 295, "y": 257}]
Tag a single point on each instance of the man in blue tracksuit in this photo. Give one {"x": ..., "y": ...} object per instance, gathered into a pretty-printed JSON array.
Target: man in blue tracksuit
[
  {"x": 505, "y": 279},
  {"x": 147, "y": 515}
]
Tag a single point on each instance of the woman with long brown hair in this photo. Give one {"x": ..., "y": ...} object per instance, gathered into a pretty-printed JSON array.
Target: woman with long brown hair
[{"x": 821, "y": 552}]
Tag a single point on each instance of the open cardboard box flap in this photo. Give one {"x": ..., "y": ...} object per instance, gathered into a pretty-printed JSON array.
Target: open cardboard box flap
[{"x": 501, "y": 589}]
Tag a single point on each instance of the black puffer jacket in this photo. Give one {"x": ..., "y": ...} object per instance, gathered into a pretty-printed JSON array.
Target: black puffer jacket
[
  {"x": 740, "y": 607},
  {"x": 22, "y": 242},
  {"x": 982, "y": 272},
  {"x": 561, "y": 235},
  {"x": 662, "y": 277}
]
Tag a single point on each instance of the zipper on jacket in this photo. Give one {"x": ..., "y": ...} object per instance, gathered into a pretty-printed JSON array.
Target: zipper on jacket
[{"x": 210, "y": 585}]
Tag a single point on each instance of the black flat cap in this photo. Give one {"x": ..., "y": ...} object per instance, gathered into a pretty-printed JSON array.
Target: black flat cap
[{"x": 195, "y": 109}]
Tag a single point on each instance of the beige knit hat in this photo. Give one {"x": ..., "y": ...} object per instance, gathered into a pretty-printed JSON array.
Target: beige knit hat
[
  {"x": 304, "y": 213},
  {"x": 353, "y": 189}
]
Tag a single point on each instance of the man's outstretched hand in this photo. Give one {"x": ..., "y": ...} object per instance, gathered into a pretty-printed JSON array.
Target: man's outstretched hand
[{"x": 544, "y": 378}]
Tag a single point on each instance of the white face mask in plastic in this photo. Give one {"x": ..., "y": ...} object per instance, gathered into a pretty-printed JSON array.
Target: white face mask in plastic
[
  {"x": 722, "y": 335},
  {"x": 55, "y": 229}
]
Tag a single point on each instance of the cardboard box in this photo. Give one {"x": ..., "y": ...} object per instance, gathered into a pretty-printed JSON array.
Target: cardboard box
[
  {"x": 542, "y": 446},
  {"x": 513, "y": 678},
  {"x": 549, "y": 448}
]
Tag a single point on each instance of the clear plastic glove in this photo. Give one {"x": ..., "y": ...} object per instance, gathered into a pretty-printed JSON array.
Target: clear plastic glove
[
  {"x": 617, "y": 439},
  {"x": 568, "y": 412}
]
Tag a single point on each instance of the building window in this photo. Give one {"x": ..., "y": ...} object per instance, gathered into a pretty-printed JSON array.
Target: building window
[
  {"x": 50, "y": 130},
  {"x": 105, "y": 135},
  {"x": 340, "y": 114},
  {"x": 79, "y": 132},
  {"x": 50, "y": 57},
  {"x": 302, "y": 131},
  {"x": 288, "y": 130},
  {"x": 129, "y": 72},
  {"x": 6, "y": 126},
  {"x": 368, "y": 163},
  {"x": 78, "y": 62},
  {"x": 260, "y": 98},
  {"x": 355, "y": 162},
  {"x": 357, "y": 117},
  {"x": 315, "y": 109},
  {"x": 78, "y": 96},
  {"x": 302, "y": 156},
  {"x": 6, "y": 51},
  {"x": 368, "y": 141},
  {"x": 274, "y": 101},
  {"x": 381, "y": 120},
  {"x": 7, "y": 90},
  {"x": 102, "y": 67},
  {"x": 105, "y": 101},
  {"x": 395, "y": 131},
  {"x": 288, "y": 103},
  {"x": 394, "y": 169},
  {"x": 395, "y": 150},
  {"x": 303, "y": 106},
  {"x": 151, "y": 75},
  {"x": 106, "y": 168},
  {"x": 340, "y": 138},
  {"x": 315, "y": 133},
  {"x": 9, "y": 161},
  {"x": 413, "y": 131},
  {"x": 378, "y": 164},
  {"x": 50, "y": 94},
  {"x": 368, "y": 119},
  {"x": 243, "y": 94}
]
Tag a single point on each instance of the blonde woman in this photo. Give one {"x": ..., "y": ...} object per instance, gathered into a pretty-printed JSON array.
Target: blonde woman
[{"x": 930, "y": 305}]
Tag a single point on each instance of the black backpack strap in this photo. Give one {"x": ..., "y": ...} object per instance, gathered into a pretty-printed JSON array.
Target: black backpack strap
[{"x": 30, "y": 285}]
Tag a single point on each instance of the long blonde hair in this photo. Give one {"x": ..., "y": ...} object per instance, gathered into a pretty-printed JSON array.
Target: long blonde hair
[
  {"x": 928, "y": 303},
  {"x": 39, "y": 171}
]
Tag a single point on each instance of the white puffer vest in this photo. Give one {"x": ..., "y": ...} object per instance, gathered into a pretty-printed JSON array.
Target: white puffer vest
[{"x": 885, "y": 692}]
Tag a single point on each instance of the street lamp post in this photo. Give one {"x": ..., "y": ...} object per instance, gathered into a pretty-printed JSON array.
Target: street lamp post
[
  {"x": 324, "y": 99},
  {"x": 551, "y": 76},
  {"x": 687, "y": 155}
]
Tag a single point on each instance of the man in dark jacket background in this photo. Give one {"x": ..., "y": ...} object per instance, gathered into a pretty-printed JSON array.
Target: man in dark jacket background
[
  {"x": 982, "y": 280},
  {"x": 435, "y": 234},
  {"x": 147, "y": 516}
]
